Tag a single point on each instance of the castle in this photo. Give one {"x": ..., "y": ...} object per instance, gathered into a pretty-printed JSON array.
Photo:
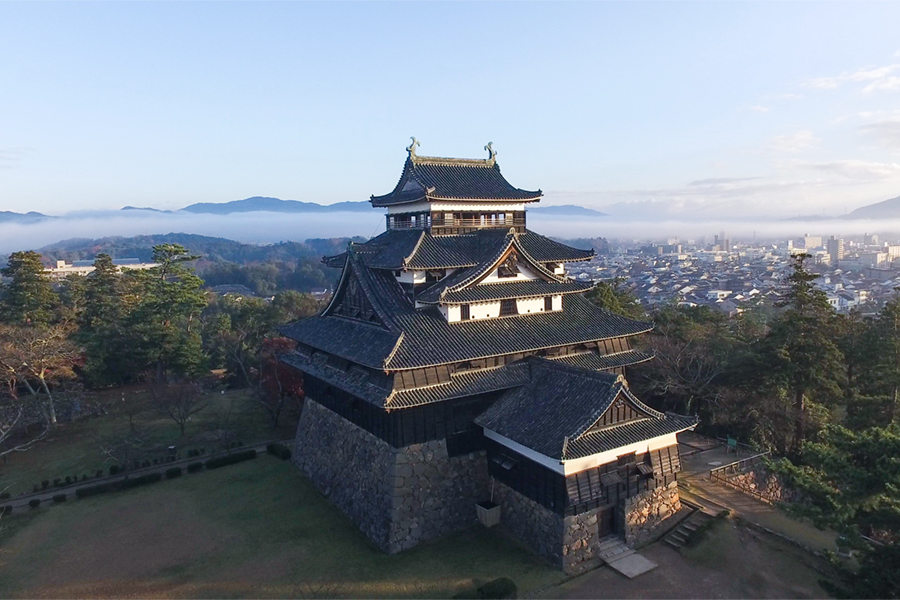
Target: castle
[{"x": 456, "y": 364}]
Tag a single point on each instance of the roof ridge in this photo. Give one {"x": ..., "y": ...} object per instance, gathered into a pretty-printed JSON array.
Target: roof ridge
[{"x": 415, "y": 248}]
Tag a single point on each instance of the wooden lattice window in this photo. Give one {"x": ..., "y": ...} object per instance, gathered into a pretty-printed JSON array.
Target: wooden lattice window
[
  {"x": 465, "y": 312},
  {"x": 548, "y": 302},
  {"x": 508, "y": 307}
]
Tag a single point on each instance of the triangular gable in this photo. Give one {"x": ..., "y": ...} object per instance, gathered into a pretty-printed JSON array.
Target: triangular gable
[
  {"x": 625, "y": 407},
  {"x": 350, "y": 300}
]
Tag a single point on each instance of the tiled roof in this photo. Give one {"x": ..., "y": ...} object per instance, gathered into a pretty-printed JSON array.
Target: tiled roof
[
  {"x": 356, "y": 385},
  {"x": 431, "y": 340},
  {"x": 604, "y": 362},
  {"x": 419, "y": 249},
  {"x": 623, "y": 434},
  {"x": 452, "y": 179},
  {"x": 467, "y": 383},
  {"x": 554, "y": 413}
]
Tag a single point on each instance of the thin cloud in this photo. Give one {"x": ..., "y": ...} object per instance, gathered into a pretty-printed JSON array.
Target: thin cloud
[
  {"x": 760, "y": 109},
  {"x": 9, "y": 157},
  {"x": 879, "y": 78},
  {"x": 886, "y": 133},
  {"x": 794, "y": 142},
  {"x": 860, "y": 170}
]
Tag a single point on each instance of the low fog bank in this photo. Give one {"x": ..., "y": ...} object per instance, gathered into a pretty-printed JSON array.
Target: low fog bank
[
  {"x": 265, "y": 227},
  {"x": 261, "y": 227}
]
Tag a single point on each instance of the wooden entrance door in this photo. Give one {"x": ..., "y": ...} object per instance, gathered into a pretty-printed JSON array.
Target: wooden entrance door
[{"x": 606, "y": 521}]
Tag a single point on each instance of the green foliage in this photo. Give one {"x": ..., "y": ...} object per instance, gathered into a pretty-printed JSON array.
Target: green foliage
[
  {"x": 614, "y": 297},
  {"x": 28, "y": 297},
  {"x": 173, "y": 472},
  {"x": 230, "y": 459},
  {"x": 850, "y": 481}
]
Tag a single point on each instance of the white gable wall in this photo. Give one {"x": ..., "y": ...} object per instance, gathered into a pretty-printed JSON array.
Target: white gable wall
[{"x": 570, "y": 467}]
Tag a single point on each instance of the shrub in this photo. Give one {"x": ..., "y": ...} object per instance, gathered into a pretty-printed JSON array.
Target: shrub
[
  {"x": 137, "y": 464},
  {"x": 114, "y": 469},
  {"x": 84, "y": 477},
  {"x": 194, "y": 467},
  {"x": 173, "y": 472},
  {"x": 36, "y": 488},
  {"x": 59, "y": 498},
  {"x": 279, "y": 450},
  {"x": 146, "y": 464},
  {"x": 499, "y": 588},
  {"x": 45, "y": 484},
  {"x": 92, "y": 490},
  {"x": 222, "y": 461},
  {"x": 69, "y": 480},
  {"x": 34, "y": 502},
  {"x": 99, "y": 474},
  {"x": 131, "y": 482},
  {"x": 155, "y": 461},
  {"x": 4, "y": 495},
  {"x": 6, "y": 510}
]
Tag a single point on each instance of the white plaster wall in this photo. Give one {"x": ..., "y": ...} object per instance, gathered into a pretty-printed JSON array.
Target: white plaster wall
[
  {"x": 411, "y": 277},
  {"x": 595, "y": 460},
  {"x": 569, "y": 467},
  {"x": 524, "y": 274},
  {"x": 484, "y": 310},
  {"x": 530, "y": 305},
  {"x": 451, "y": 312},
  {"x": 557, "y": 302}
]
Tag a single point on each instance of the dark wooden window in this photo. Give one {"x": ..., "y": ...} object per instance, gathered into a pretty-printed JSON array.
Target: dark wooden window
[
  {"x": 464, "y": 312},
  {"x": 548, "y": 302},
  {"x": 508, "y": 307}
]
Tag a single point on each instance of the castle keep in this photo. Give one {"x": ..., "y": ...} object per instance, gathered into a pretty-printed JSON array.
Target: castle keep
[{"x": 457, "y": 364}]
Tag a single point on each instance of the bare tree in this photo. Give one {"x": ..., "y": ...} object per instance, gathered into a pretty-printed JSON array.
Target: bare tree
[
  {"x": 226, "y": 424},
  {"x": 179, "y": 401},
  {"x": 38, "y": 358},
  {"x": 125, "y": 449}
]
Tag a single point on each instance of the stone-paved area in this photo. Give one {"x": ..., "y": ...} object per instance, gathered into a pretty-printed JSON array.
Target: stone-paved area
[{"x": 696, "y": 486}]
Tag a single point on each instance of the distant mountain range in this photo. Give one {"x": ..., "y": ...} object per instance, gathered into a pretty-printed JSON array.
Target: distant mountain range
[
  {"x": 888, "y": 209},
  {"x": 265, "y": 204},
  {"x": 29, "y": 217}
]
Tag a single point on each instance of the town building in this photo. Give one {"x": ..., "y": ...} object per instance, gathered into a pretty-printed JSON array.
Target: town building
[
  {"x": 457, "y": 364},
  {"x": 835, "y": 247},
  {"x": 85, "y": 267}
]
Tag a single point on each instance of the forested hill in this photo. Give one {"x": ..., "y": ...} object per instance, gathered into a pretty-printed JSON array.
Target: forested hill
[
  {"x": 265, "y": 269},
  {"x": 212, "y": 249}
]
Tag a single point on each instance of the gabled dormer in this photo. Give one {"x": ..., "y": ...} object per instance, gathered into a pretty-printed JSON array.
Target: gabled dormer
[{"x": 511, "y": 283}]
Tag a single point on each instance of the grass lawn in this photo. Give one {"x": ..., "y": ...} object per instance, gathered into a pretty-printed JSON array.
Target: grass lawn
[
  {"x": 74, "y": 449},
  {"x": 256, "y": 529}
]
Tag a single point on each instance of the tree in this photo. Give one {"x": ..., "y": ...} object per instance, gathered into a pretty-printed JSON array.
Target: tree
[
  {"x": 851, "y": 481},
  {"x": 883, "y": 353},
  {"x": 179, "y": 401},
  {"x": 614, "y": 297},
  {"x": 28, "y": 296},
  {"x": 38, "y": 358},
  {"x": 282, "y": 385},
  {"x": 801, "y": 348}
]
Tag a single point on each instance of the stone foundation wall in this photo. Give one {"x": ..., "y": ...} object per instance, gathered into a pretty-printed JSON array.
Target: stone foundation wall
[
  {"x": 350, "y": 466},
  {"x": 760, "y": 480},
  {"x": 398, "y": 497},
  {"x": 644, "y": 513},
  {"x": 569, "y": 542}
]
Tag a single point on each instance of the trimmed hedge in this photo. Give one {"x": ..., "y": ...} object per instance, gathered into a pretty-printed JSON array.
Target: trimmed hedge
[
  {"x": 230, "y": 459},
  {"x": 93, "y": 490},
  {"x": 130, "y": 482},
  {"x": 279, "y": 450},
  {"x": 59, "y": 498},
  {"x": 173, "y": 472},
  {"x": 4, "y": 495},
  {"x": 34, "y": 502},
  {"x": 503, "y": 587},
  {"x": 194, "y": 467}
]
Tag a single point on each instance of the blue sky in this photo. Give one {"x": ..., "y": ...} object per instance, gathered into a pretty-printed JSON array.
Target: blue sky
[{"x": 681, "y": 110}]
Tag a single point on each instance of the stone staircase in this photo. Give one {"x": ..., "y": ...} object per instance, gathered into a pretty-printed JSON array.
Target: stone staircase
[
  {"x": 613, "y": 548},
  {"x": 679, "y": 536}
]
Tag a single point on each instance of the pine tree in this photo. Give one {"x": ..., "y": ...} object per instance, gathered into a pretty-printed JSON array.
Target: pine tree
[
  {"x": 28, "y": 297},
  {"x": 802, "y": 348}
]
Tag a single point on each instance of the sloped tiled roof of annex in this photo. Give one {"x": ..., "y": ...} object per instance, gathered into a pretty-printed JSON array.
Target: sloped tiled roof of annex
[
  {"x": 602, "y": 362},
  {"x": 553, "y": 414},
  {"x": 434, "y": 178},
  {"x": 419, "y": 249}
]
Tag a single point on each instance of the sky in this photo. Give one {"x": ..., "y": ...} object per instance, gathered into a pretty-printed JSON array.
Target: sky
[{"x": 644, "y": 110}]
